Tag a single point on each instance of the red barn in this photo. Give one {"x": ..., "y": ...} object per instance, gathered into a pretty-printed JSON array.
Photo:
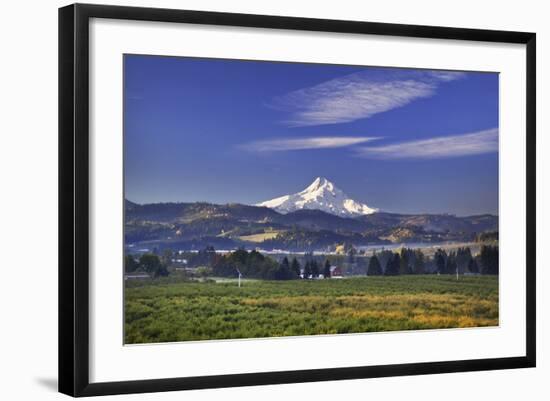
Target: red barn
[{"x": 336, "y": 272}]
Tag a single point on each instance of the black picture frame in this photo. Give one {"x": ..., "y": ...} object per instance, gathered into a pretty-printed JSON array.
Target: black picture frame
[{"x": 74, "y": 201}]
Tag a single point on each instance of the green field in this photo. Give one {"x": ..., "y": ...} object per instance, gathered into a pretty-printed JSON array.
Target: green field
[
  {"x": 260, "y": 237},
  {"x": 165, "y": 311}
]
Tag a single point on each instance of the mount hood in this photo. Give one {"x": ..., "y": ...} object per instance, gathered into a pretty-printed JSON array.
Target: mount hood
[{"x": 322, "y": 195}]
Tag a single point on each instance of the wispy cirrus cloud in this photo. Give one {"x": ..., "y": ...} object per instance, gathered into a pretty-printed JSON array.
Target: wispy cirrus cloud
[
  {"x": 285, "y": 144},
  {"x": 474, "y": 143},
  {"x": 360, "y": 95}
]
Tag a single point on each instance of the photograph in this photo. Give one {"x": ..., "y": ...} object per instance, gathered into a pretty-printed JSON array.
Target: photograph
[{"x": 271, "y": 199}]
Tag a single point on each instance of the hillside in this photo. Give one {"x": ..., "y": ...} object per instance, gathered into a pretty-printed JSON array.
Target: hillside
[{"x": 195, "y": 225}]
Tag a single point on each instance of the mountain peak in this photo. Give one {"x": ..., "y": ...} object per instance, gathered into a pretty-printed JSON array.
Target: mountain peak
[
  {"x": 320, "y": 183},
  {"x": 323, "y": 195}
]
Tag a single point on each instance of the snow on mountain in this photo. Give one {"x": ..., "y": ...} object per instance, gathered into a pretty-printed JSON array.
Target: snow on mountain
[{"x": 320, "y": 195}]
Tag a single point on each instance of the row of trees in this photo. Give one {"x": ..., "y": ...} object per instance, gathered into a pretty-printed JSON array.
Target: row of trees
[
  {"x": 407, "y": 261},
  {"x": 413, "y": 261},
  {"x": 255, "y": 265},
  {"x": 460, "y": 261},
  {"x": 204, "y": 257},
  {"x": 148, "y": 263},
  {"x": 251, "y": 264},
  {"x": 312, "y": 268},
  {"x": 489, "y": 259}
]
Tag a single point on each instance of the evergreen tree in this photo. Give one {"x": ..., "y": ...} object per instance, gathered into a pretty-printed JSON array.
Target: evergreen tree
[
  {"x": 326, "y": 270},
  {"x": 307, "y": 270},
  {"x": 374, "y": 269},
  {"x": 440, "y": 260},
  {"x": 489, "y": 259},
  {"x": 451, "y": 265},
  {"x": 393, "y": 266},
  {"x": 295, "y": 267},
  {"x": 404, "y": 262},
  {"x": 472, "y": 266},
  {"x": 285, "y": 263},
  {"x": 283, "y": 271},
  {"x": 463, "y": 257},
  {"x": 314, "y": 269},
  {"x": 419, "y": 265},
  {"x": 384, "y": 256}
]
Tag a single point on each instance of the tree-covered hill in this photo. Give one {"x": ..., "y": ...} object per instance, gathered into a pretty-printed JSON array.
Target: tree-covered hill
[{"x": 234, "y": 225}]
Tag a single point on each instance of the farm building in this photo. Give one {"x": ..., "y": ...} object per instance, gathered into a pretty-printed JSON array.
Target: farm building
[{"x": 336, "y": 272}]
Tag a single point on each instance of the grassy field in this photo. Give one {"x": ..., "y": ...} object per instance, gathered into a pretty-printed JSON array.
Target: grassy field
[
  {"x": 260, "y": 237},
  {"x": 160, "y": 311}
]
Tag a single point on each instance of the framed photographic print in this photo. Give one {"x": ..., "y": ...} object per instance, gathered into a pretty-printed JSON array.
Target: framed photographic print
[{"x": 249, "y": 199}]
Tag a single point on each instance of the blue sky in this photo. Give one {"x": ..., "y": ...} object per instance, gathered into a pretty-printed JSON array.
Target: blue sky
[{"x": 402, "y": 140}]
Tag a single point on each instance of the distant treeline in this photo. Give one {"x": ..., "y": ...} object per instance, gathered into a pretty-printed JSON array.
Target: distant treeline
[
  {"x": 413, "y": 261},
  {"x": 487, "y": 236},
  {"x": 253, "y": 264},
  {"x": 148, "y": 263}
]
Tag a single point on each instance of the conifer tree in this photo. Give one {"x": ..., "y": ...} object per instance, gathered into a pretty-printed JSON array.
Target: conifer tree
[
  {"x": 283, "y": 272},
  {"x": 404, "y": 262},
  {"x": 489, "y": 259},
  {"x": 451, "y": 265},
  {"x": 314, "y": 269},
  {"x": 374, "y": 269},
  {"x": 463, "y": 257},
  {"x": 295, "y": 267},
  {"x": 440, "y": 260},
  {"x": 326, "y": 271},
  {"x": 472, "y": 266},
  {"x": 285, "y": 264},
  {"x": 394, "y": 263},
  {"x": 419, "y": 265},
  {"x": 307, "y": 270}
]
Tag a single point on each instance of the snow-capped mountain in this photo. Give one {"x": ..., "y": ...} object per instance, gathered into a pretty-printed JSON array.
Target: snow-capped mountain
[{"x": 320, "y": 195}]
